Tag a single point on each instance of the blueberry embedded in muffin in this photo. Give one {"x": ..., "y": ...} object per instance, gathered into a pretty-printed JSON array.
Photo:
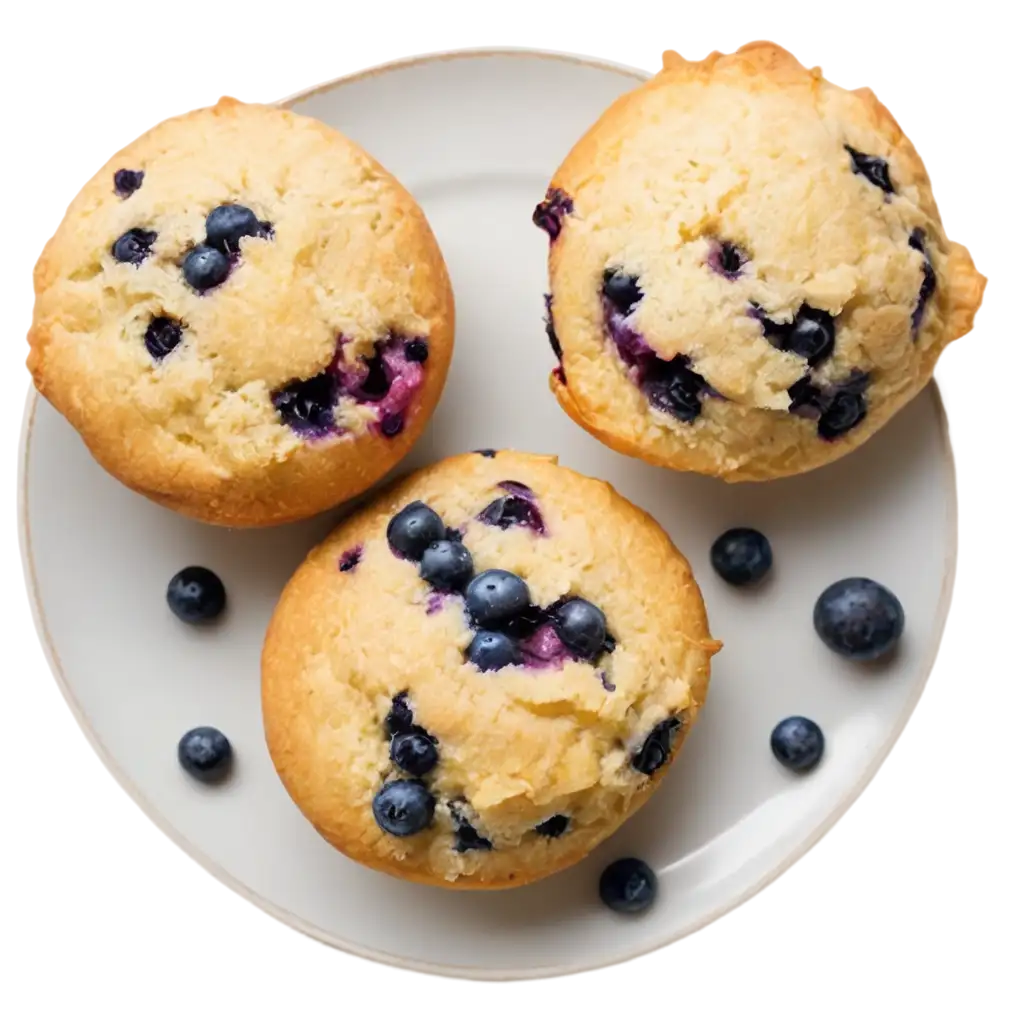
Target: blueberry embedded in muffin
[{"x": 551, "y": 211}]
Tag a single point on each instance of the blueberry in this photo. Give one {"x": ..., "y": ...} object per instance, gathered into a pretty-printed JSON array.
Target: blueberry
[
  {"x": 622, "y": 290},
  {"x": 163, "y": 335},
  {"x": 657, "y": 748},
  {"x": 553, "y": 827},
  {"x": 581, "y": 626},
  {"x": 510, "y": 511},
  {"x": 399, "y": 718},
  {"x": 492, "y": 651},
  {"x": 414, "y": 752},
  {"x": 841, "y": 413},
  {"x": 205, "y": 753},
  {"x": 466, "y": 836},
  {"x": 307, "y": 406},
  {"x": 798, "y": 743},
  {"x": 628, "y": 886},
  {"x": 133, "y": 246},
  {"x": 487, "y": 453},
  {"x": 811, "y": 335},
  {"x": 377, "y": 382},
  {"x": 874, "y": 168},
  {"x": 549, "y": 327},
  {"x": 403, "y": 807},
  {"x": 928, "y": 281},
  {"x": 496, "y": 595},
  {"x": 205, "y": 267},
  {"x": 741, "y": 556},
  {"x": 227, "y": 225},
  {"x": 447, "y": 565},
  {"x": 670, "y": 385},
  {"x": 126, "y": 182},
  {"x": 414, "y": 529},
  {"x": 416, "y": 351},
  {"x": 550, "y": 212},
  {"x": 196, "y": 595},
  {"x": 392, "y": 424},
  {"x": 859, "y": 618},
  {"x": 350, "y": 559},
  {"x": 727, "y": 259},
  {"x": 805, "y": 398}
]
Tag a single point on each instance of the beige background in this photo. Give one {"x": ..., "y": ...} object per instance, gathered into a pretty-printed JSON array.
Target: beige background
[{"x": 99, "y": 922}]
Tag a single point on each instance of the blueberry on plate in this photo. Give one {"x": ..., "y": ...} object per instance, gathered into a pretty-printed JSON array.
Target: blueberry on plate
[
  {"x": 741, "y": 556},
  {"x": 859, "y": 619},
  {"x": 628, "y": 886},
  {"x": 492, "y": 651},
  {"x": 447, "y": 565},
  {"x": 227, "y": 225},
  {"x": 133, "y": 246},
  {"x": 205, "y": 267},
  {"x": 196, "y": 595},
  {"x": 798, "y": 743},
  {"x": 496, "y": 595},
  {"x": 414, "y": 752},
  {"x": 403, "y": 807},
  {"x": 414, "y": 529},
  {"x": 205, "y": 753},
  {"x": 581, "y": 626}
]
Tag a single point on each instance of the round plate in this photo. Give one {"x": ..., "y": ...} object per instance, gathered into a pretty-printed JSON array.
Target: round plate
[{"x": 475, "y": 137}]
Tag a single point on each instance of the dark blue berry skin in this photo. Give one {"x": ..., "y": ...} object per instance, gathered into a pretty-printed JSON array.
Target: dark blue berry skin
[
  {"x": 307, "y": 406},
  {"x": 205, "y": 754},
  {"x": 622, "y": 290},
  {"x": 492, "y": 651},
  {"x": 163, "y": 335},
  {"x": 628, "y": 886},
  {"x": 670, "y": 385},
  {"x": 657, "y": 748},
  {"x": 844, "y": 410},
  {"x": 582, "y": 627},
  {"x": 487, "y": 453},
  {"x": 466, "y": 836},
  {"x": 133, "y": 246},
  {"x": 496, "y": 595},
  {"x": 196, "y": 595},
  {"x": 741, "y": 556},
  {"x": 392, "y": 424},
  {"x": 416, "y": 351},
  {"x": 350, "y": 559},
  {"x": 859, "y": 619},
  {"x": 126, "y": 182},
  {"x": 727, "y": 259},
  {"x": 447, "y": 565},
  {"x": 205, "y": 268},
  {"x": 811, "y": 335},
  {"x": 549, "y": 328},
  {"x": 414, "y": 529},
  {"x": 928, "y": 281},
  {"x": 874, "y": 168},
  {"x": 403, "y": 807},
  {"x": 512, "y": 510},
  {"x": 798, "y": 743},
  {"x": 227, "y": 225},
  {"x": 551, "y": 211},
  {"x": 414, "y": 752},
  {"x": 399, "y": 718},
  {"x": 553, "y": 827}
]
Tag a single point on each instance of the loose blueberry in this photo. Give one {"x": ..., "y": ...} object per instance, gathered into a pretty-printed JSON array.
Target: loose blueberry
[
  {"x": 859, "y": 618},
  {"x": 487, "y": 453},
  {"x": 798, "y": 743},
  {"x": 622, "y": 290},
  {"x": 205, "y": 753},
  {"x": 163, "y": 335},
  {"x": 414, "y": 529},
  {"x": 414, "y": 752},
  {"x": 841, "y": 413},
  {"x": 657, "y": 748},
  {"x": 416, "y": 351},
  {"x": 628, "y": 886},
  {"x": 496, "y": 595},
  {"x": 205, "y": 268},
  {"x": 447, "y": 565},
  {"x": 510, "y": 511},
  {"x": 227, "y": 225},
  {"x": 392, "y": 424},
  {"x": 399, "y": 718},
  {"x": 549, "y": 327},
  {"x": 741, "y": 556},
  {"x": 403, "y": 807},
  {"x": 493, "y": 651},
  {"x": 553, "y": 827},
  {"x": 466, "y": 836},
  {"x": 874, "y": 168},
  {"x": 126, "y": 182},
  {"x": 811, "y": 335},
  {"x": 550, "y": 212},
  {"x": 670, "y": 385},
  {"x": 196, "y": 595},
  {"x": 133, "y": 246},
  {"x": 581, "y": 626},
  {"x": 350, "y": 559},
  {"x": 307, "y": 406}
]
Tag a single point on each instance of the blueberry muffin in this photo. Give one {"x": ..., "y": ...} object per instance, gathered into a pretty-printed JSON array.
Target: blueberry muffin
[
  {"x": 748, "y": 273},
  {"x": 480, "y": 676},
  {"x": 245, "y": 316}
]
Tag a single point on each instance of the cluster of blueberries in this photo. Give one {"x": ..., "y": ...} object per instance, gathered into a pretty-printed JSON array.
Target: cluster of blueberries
[{"x": 675, "y": 388}]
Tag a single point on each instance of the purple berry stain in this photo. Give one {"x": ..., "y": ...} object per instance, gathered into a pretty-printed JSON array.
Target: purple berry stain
[
  {"x": 551, "y": 211},
  {"x": 350, "y": 559},
  {"x": 518, "y": 507}
]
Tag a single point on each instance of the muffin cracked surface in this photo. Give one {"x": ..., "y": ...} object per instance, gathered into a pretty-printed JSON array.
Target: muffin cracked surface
[
  {"x": 245, "y": 316},
  {"x": 749, "y": 276},
  {"x": 414, "y": 751}
]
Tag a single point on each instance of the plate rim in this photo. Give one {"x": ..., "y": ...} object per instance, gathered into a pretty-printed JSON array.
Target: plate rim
[{"x": 859, "y": 785}]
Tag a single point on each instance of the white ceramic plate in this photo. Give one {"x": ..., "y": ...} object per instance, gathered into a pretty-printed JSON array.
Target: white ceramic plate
[{"x": 475, "y": 137}]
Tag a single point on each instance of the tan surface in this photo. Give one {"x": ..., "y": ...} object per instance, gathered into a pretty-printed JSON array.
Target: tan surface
[{"x": 921, "y": 879}]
